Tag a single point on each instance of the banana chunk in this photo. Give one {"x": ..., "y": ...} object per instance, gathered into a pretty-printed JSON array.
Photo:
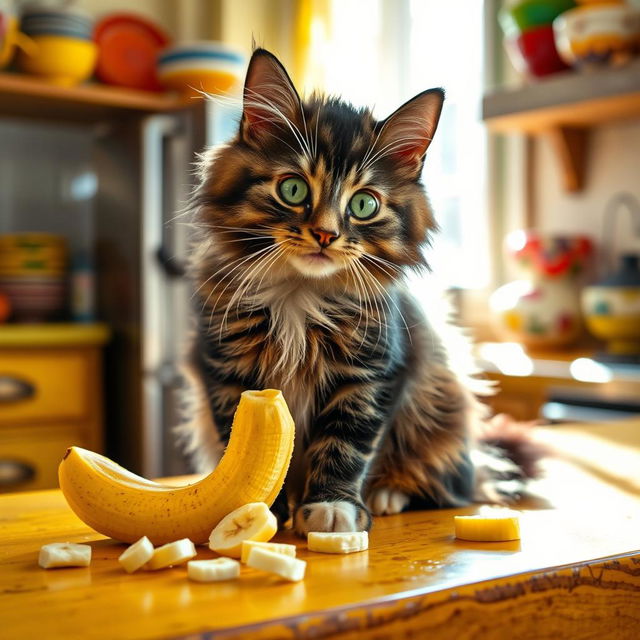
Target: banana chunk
[
  {"x": 276, "y": 547},
  {"x": 286, "y": 567},
  {"x": 213, "y": 570},
  {"x": 252, "y": 521},
  {"x": 347, "y": 542},
  {"x": 491, "y": 525},
  {"x": 137, "y": 555},
  {"x": 171, "y": 554},
  {"x": 64, "y": 554}
]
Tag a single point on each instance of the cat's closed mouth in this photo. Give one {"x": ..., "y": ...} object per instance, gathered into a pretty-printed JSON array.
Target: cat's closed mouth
[{"x": 318, "y": 257}]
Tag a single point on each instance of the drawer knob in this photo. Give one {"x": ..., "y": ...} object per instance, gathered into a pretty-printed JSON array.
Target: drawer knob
[
  {"x": 13, "y": 472},
  {"x": 14, "y": 389}
]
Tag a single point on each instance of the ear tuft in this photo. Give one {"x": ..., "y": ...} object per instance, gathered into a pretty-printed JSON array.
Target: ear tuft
[
  {"x": 406, "y": 134},
  {"x": 270, "y": 99}
]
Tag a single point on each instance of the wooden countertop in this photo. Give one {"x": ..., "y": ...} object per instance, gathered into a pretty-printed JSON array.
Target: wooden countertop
[{"x": 574, "y": 574}]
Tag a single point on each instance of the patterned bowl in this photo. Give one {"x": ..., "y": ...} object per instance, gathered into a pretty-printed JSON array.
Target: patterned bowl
[
  {"x": 201, "y": 66},
  {"x": 612, "y": 308},
  {"x": 594, "y": 35},
  {"x": 35, "y": 299}
]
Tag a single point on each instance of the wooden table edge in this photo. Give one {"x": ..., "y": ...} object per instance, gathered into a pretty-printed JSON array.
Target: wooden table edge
[{"x": 401, "y": 609}]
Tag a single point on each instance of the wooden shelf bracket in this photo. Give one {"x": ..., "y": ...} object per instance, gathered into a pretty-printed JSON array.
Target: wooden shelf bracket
[{"x": 570, "y": 147}]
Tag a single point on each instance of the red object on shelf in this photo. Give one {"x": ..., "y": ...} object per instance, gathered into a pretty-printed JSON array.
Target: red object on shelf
[
  {"x": 5, "y": 308},
  {"x": 538, "y": 49},
  {"x": 128, "y": 47}
]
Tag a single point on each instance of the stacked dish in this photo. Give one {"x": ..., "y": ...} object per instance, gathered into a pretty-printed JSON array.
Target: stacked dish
[
  {"x": 128, "y": 48},
  {"x": 206, "y": 66},
  {"x": 62, "y": 52},
  {"x": 598, "y": 33},
  {"x": 33, "y": 274},
  {"x": 39, "y": 20},
  {"x": 529, "y": 38}
]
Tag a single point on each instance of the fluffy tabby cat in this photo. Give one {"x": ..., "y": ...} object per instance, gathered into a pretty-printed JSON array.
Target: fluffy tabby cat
[{"x": 308, "y": 220}]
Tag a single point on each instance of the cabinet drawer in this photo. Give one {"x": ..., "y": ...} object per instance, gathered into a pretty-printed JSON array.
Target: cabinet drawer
[
  {"x": 43, "y": 385},
  {"x": 29, "y": 457}
]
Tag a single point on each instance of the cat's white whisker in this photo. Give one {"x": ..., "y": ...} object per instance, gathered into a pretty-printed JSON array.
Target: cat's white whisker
[
  {"x": 263, "y": 263},
  {"x": 228, "y": 273}
]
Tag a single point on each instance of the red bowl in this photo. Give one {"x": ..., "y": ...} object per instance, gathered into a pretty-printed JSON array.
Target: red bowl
[{"x": 537, "y": 51}]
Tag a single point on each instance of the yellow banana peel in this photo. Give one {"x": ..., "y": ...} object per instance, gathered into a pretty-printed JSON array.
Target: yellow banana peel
[{"x": 124, "y": 506}]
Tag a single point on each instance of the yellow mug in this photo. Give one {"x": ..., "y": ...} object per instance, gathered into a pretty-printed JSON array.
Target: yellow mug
[{"x": 10, "y": 37}]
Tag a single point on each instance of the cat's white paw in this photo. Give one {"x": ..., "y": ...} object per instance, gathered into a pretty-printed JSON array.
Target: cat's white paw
[
  {"x": 331, "y": 516},
  {"x": 385, "y": 502}
]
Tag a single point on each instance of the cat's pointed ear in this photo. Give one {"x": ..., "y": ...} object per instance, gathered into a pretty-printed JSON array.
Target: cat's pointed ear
[
  {"x": 406, "y": 134},
  {"x": 270, "y": 101}
]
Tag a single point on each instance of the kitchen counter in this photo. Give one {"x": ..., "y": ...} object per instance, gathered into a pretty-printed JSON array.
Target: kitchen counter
[{"x": 574, "y": 574}]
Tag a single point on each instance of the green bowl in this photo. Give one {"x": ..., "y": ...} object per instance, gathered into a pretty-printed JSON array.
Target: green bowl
[{"x": 530, "y": 14}]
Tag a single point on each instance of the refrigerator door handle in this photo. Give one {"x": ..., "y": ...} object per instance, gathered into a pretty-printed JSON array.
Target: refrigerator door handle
[{"x": 156, "y": 132}]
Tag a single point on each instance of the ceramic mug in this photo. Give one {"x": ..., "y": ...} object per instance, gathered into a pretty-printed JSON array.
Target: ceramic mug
[{"x": 10, "y": 36}]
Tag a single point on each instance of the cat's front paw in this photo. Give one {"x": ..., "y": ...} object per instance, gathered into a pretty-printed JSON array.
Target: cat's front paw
[
  {"x": 331, "y": 516},
  {"x": 384, "y": 501}
]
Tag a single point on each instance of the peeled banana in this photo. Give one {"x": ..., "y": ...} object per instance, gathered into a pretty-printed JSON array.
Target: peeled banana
[
  {"x": 491, "y": 525},
  {"x": 213, "y": 570},
  {"x": 337, "y": 542},
  {"x": 137, "y": 555},
  {"x": 171, "y": 554},
  {"x": 252, "y": 521},
  {"x": 286, "y": 567},
  {"x": 124, "y": 506},
  {"x": 64, "y": 554}
]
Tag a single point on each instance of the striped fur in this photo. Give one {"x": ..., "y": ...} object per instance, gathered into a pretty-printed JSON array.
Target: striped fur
[{"x": 381, "y": 414}]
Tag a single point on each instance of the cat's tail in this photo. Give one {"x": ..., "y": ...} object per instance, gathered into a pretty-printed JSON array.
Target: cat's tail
[{"x": 506, "y": 455}]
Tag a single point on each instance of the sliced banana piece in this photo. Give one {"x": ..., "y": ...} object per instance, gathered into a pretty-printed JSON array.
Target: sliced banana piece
[
  {"x": 490, "y": 525},
  {"x": 286, "y": 567},
  {"x": 343, "y": 542},
  {"x": 137, "y": 555},
  {"x": 252, "y": 521},
  {"x": 64, "y": 554},
  {"x": 276, "y": 547},
  {"x": 213, "y": 570},
  {"x": 171, "y": 554}
]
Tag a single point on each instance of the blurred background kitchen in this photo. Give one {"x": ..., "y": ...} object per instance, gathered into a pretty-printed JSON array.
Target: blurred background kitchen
[{"x": 534, "y": 176}]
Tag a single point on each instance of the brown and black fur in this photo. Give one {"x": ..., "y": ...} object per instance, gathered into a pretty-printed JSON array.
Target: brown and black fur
[{"x": 382, "y": 416}]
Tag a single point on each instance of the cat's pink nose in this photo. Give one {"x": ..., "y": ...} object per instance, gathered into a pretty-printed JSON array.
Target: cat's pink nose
[{"x": 324, "y": 237}]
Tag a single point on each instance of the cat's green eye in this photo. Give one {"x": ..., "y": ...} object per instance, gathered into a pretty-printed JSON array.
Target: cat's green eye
[
  {"x": 363, "y": 205},
  {"x": 293, "y": 190}
]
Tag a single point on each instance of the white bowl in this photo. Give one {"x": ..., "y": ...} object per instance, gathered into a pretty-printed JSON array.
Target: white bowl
[{"x": 596, "y": 35}]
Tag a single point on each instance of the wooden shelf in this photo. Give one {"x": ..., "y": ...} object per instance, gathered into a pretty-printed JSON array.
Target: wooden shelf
[
  {"x": 27, "y": 96},
  {"x": 565, "y": 107},
  {"x": 53, "y": 334}
]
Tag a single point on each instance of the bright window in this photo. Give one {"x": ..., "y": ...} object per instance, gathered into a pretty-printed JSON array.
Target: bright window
[{"x": 394, "y": 50}]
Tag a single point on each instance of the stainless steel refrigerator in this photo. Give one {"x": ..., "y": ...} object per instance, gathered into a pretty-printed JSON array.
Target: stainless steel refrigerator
[{"x": 142, "y": 241}]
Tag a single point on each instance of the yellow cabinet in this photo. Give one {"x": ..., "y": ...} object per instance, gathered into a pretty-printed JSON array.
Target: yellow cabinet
[{"x": 50, "y": 399}]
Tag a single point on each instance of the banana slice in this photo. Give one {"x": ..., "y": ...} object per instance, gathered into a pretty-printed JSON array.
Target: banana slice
[
  {"x": 64, "y": 554},
  {"x": 276, "y": 547},
  {"x": 343, "y": 542},
  {"x": 137, "y": 555},
  {"x": 213, "y": 570},
  {"x": 253, "y": 521},
  {"x": 286, "y": 567},
  {"x": 171, "y": 554},
  {"x": 490, "y": 525}
]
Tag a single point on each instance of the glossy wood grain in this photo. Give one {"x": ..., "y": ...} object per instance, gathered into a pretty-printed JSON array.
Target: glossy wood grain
[{"x": 574, "y": 574}]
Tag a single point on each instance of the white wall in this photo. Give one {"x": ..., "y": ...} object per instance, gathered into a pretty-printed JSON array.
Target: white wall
[{"x": 613, "y": 166}]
